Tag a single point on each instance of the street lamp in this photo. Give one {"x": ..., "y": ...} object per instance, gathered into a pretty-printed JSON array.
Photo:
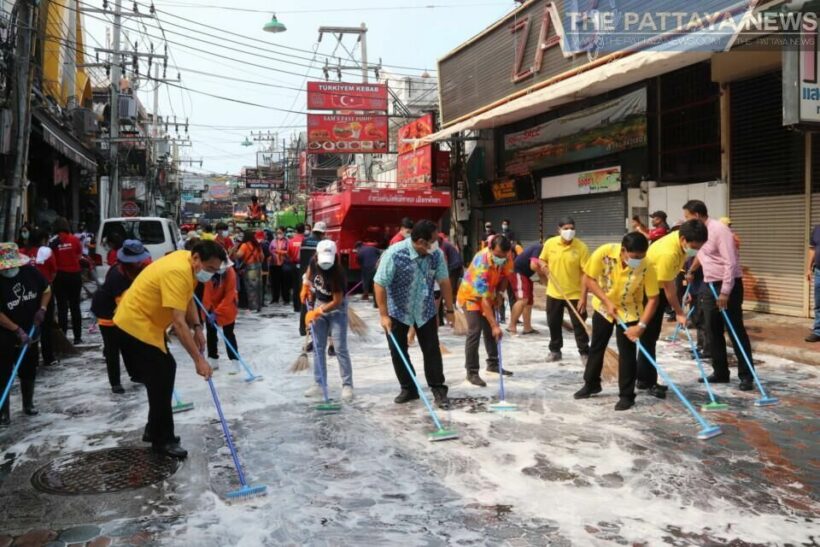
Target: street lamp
[{"x": 274, "y": 26}]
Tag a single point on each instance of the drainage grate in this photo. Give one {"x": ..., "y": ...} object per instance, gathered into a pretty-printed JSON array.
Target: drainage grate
[{"x": 109, "y": 470}]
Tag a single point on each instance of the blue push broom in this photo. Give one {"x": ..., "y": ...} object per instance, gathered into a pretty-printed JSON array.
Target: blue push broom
[
  {"x": 327, "y": 405},
  {"x": 440, "y": 434},
  {"x": 709, "y": 430},
  {"x": 765, "y": 399},
  {"x": 17, "y": 366},
  {"x": 713, "y": 405},
  {"x": 180, "y": 406},
  {"x": 502, "y": 405},
  {"x": 246, "y": 491},
  {"x": 251, "y": 377}
]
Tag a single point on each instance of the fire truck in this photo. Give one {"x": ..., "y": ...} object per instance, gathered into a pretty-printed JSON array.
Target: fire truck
[{"x": 371, "y": 212}]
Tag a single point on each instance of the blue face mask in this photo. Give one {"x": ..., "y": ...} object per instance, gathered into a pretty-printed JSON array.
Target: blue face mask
[
  {"x": 203, "y": 276},
  {"x": 499, "y": 261},
  {"x": 634, "y": 263},
  {"x": 690, "y": 252},
  {"x": 10, "y": 273}
]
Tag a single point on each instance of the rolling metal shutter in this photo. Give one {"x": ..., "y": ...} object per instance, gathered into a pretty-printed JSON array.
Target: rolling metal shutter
[
  {"x": 599, "y": 219},
  {"x": 524, "y": 219},
  {"x": 767, "y": 197}
]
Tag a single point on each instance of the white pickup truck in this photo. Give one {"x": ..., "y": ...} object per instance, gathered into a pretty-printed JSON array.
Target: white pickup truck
[{"x": 159, "y": 235}]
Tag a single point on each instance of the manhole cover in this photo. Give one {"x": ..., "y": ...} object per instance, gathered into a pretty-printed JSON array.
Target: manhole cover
[{"x": 109, "y": 470}]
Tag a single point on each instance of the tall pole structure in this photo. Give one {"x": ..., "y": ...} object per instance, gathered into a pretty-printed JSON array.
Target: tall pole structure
[
  {"x": 23, "y": 79},
  {"x": 363, "y": 37},
  {"x": 70, "y": 59},
  {"x": 114, "y": 133}
]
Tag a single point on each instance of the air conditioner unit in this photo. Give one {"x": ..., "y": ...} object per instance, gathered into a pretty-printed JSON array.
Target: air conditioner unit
[
  {"x": 85, "y": 122},
  {"x": 127, "y": 107}
]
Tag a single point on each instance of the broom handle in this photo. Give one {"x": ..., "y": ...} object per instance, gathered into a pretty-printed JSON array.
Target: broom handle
[
  {"x": 501, "y": 394},
  {"x": 700, "y": 365},
  {"x": 17, "y": 366},
  {"x": 575, "y": 311},
  {"x": 415, "y": 380},
  {"x": 224, "y": 338},
  {"x": 356, "y": 286},
  {"x": 227, "y": 434}
]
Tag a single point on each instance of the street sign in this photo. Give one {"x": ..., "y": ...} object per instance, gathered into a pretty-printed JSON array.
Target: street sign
[
  {"x": 331, "y": 134},
  {"x": 130, "y": 209},
  {"x": 346, "y": 96}
]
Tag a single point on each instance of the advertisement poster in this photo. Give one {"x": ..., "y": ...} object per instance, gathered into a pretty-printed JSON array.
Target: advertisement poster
[
  {"x": 332, "y": 134},
  {"x": 346, "y": 96},
  {"x": 219, "y": 191},
  {"x": 415, "y": 168},
  {"x": 442, "y": 168},
  {"x": 587, "y": 182},
  {"x": 619, "y": 124},
  {"x": 416, "y": 129},
  {"x": 504, "y": 190}
]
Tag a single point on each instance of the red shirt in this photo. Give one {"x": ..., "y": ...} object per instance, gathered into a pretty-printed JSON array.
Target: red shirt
[
  {"x": 48, "y": 267},
  {"x": 398, "y": 238},
  {"x": 111, "y": 259},
  {"x": 295, "y": 247},
  {"x": 68, "y": 253},
  {"x": 657, "y": 233},
  {"x": 225, "y": 242}
]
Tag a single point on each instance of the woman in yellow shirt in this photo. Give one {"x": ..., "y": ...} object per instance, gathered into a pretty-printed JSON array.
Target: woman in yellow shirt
[{"x": 619, "y": 277}]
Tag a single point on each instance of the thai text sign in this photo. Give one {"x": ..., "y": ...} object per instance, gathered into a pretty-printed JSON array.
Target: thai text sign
[
  {"x": 346, "y": 96},
  {"x": 332, "y": 134},
  {"x": 587, "y": 182}
]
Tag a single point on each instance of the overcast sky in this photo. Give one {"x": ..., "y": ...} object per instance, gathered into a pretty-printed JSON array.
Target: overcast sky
[{"x": 401, "y": 32}]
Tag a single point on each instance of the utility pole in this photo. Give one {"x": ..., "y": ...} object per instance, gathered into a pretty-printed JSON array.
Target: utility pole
[
  {"x": 114, "y": 131},
  {"x": 22, "y": 90},
  {"x": 70, "y": 63},
  {"x": 363, "y": 39}
]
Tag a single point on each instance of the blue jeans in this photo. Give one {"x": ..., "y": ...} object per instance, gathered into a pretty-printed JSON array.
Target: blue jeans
[
  {"x": 816, "y": 328},
  {"x": 332, "y": 322}
]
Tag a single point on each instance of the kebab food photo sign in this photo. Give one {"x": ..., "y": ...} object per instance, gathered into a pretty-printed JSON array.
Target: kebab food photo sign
[{"x": 355, "y": 134}]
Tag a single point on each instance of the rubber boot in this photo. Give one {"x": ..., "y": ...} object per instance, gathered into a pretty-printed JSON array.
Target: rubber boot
[
  {"x": 5, "y": 418},
  {"x": 27, "y": 391}
]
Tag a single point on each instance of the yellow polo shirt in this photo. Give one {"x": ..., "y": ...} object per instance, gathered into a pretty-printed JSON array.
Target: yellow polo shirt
[
  {"x": 147, "y": 309},
  {"x": 666, "y": 256},
  {"x": 624, "y": 286},
  {"x": 566, "y": 265}
]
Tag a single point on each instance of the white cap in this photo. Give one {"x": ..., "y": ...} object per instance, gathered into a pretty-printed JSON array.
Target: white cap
[
  {"x": 320, "y": 227},
  {"x": 326, "y": 252}
]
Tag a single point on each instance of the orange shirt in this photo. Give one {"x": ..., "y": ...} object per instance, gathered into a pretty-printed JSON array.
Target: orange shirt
[
  {"x": 222, "y": 299},
  {"x": 250, "y": 254}
]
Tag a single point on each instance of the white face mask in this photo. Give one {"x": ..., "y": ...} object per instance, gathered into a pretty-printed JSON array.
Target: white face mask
[
  {"x": 204, "y": 276},
  {"x": 567, "y": 235},
  {"x": 434, "y": 247},
  {"x": 634, "y": 262},
  {"x": 11, "y": 272},
  {"x": 325, "y": 265},
  {"x": 690, "y": 252},
  {"x": 225, "y": 233}
]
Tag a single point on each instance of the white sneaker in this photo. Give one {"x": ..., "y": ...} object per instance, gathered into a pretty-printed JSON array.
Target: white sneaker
[
  {"x": 235, "y": 368},
  {"x": 314, "y": 391},
  {"x": 347, "y": 393},
  {"x": 214, "y": 361}
]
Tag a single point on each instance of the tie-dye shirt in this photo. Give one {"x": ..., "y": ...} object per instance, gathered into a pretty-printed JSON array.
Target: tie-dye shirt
[{"x": 481, "y": 280}]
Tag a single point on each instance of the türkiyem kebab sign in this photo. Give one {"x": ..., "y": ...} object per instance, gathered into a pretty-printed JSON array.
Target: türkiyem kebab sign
[{"x": 346, "y": 96}]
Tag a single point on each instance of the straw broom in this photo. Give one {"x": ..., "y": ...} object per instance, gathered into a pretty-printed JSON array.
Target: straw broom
[
  {"x": 62, "y": 346},
  {"x": 460, "y": 323},
  {"x": 302, "y": 362},
  {"x": 355, "y": 323},
  {"x": 611, "y": 359}
]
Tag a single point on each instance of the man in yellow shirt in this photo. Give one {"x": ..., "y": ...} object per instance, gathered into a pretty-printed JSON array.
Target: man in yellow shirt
[
  {"x": 667, "y": 256},
  {"x": 619, "y": 277},
  {"x": 563, "y": 258},
  {"x": 160, "y": 297}
]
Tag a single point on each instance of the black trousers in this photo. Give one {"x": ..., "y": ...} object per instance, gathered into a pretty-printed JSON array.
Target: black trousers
[
  {"x": 157, "y": 371},
  {"x": 714, "y": 327},
  {"x": 296, "y": 286},
  {"x": 8, "y": 358},
  {"x": 627, "y": 363},
  {"x": 67, "y": 289},
  {"x": 281, "y": 278},
  {"x": 47, "y": 334},
  {"x": 427, "y": 335},
  {"x": 646, "y": 372},
  {"x": 478, "y": 326},
  {"x": 213, "y": 341},
  {"x": 111, "y": 351},
  {"x": 555, "y": 321},
  {"x": 367, "y": 280}
]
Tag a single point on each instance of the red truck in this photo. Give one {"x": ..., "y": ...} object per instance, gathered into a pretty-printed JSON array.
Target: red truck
[{"x": 371, "y": 214}]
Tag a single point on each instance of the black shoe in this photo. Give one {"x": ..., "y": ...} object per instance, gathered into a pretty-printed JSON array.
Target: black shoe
[
  {"x": 657, "y": 391},
  {"x": 624, "y": 404},
  {"x": 476, "y": 380},
  {"x": 27, "y": 392},
  {"x": 642, "y": 385},
  {"x": 172, "y": 449},
  {"x": 146, "y": 437},
  {"x": 746, "y": 385},
  {"x": 78, "y": 341},
  {"x": 118, "y": 389},
  {"x": 812, "y": 338},
  {"x": 406, "y": 396},
  {"x": 587, "y": 391},
  {"x": 554, "y": 357},
  {"x": 440, "y": 395},
  {"x": 309, "y": 346},
  {"x": 494, "y": 370},
  {"x": 30, "y": 410},
  {"x": 5, "y": 418},
  {"x": 331, "y": 351},
  {"x": 715, "y": 380},
  {"x": 136, "y": 380}
]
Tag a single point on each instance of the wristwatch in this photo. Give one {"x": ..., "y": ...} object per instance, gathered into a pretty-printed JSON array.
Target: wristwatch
[{"x": 642, "y": 325}]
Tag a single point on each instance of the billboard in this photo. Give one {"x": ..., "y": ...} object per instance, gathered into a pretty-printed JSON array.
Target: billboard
[
  {"x": 415, "y": 168},
  {"x": 587, "y": 182},
  {"x": 415, "y": 130},
  {"x": 346, "y": 96},
  {"x": 801, "y": 80},
  {"x": 335, "y": 134}
]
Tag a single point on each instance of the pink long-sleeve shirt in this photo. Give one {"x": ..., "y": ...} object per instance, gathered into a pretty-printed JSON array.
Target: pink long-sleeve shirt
[{"x": 719, "y": 258}]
